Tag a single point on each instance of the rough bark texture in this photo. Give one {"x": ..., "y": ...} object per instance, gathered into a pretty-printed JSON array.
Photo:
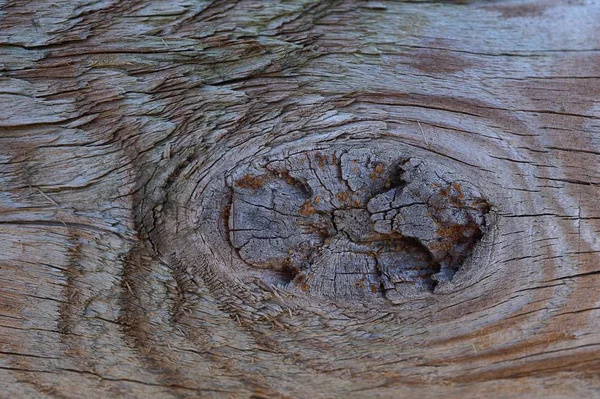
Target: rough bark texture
[{"x": 303, "y": 199}]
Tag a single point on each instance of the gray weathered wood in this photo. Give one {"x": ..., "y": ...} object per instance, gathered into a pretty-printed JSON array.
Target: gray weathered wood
[{"x": 138, "y": 139}]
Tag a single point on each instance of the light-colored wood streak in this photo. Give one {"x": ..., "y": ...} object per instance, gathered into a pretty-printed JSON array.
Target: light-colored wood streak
[{"x": 121, "y": 123}]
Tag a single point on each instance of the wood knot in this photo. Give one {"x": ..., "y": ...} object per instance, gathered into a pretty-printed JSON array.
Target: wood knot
[{"x": 353, "y": 223}]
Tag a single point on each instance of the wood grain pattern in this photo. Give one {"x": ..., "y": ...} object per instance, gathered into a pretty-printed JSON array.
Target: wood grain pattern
[{"x": 120, "y": 123}]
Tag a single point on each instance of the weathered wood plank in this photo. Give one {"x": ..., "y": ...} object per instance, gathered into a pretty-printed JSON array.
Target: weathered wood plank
[{"x": 124, "y": 127}]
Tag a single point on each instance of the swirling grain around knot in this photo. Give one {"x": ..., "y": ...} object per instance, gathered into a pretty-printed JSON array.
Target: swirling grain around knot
[
  {"x": 310, "y": 199},
  {"x": 273, "y": 296},
  {"x": 283, "y": 302}
]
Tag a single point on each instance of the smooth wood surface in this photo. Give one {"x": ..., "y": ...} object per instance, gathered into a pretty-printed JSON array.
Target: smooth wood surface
[{"x": 124, "y": 127}]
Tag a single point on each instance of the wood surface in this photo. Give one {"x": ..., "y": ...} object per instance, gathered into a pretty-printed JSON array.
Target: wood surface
[{"x": 181, "y": 213}]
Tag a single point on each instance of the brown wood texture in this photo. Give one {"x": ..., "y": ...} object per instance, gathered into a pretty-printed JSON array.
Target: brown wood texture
[{"x": 136, "y": 259}]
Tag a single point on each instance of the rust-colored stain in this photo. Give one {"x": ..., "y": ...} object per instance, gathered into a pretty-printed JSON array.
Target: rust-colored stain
[
  {"x": 226, "y": 212},
  {"x": 377, "y": 171},
  {"x": 453, "y": 233},
  {"x": 343, "y": 196},
  {"x": 481, "y": 204},
  {"x": 307, "y": 209},
  {"x": 285, "y": 175},
  {"x": 250, "y": 181},
  {"x": 346, "y": 198},
  {"x": 455, "y": 194},
  {"x": 456, "y": 199},
  {"x": 321, "y": 159}
]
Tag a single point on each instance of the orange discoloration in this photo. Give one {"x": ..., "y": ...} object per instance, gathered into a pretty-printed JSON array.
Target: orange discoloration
[
  {"x": 360, "y": 282},
  {"x": 307, "y": 209},
  {"x": 347, "y": 198},
  {"x": 460, "y": 194},
  {"x": 226, "y": 212},
  {"x": 343, "y": 196},
  {"x": 454, "y": 191},
  {"x": 250, "y": 181},
  {"x": 285, "y": 175},
  {"x": 454, "y": 233},
  {"x": 321, "y": 159},
  {"x": 377, "y": 171}
]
